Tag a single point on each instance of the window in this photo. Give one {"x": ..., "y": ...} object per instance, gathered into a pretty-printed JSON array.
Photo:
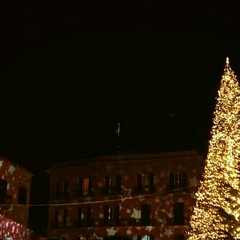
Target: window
[
  {"x": 82, "y": 238},
  {"x": 145, "y": 214},
  {"x": 179, "y": 237},
  {"x": 85, "y": 187},
  {"x": 178, "y": 213},
  {"x": 84, "y": 216},
  {"x": 145, "y": 183},
  {"x": 145, "y": 237},
  {"x": 22, "y": 195},
  {"x": 3, "y": 191},
  {"x": 62, "y": 189},
  {"x": 111, "y": 214},
  {"x": 177, "y": 180},
  {"x": 113, "y": 185},
  {"x": 60, "y": 217}
]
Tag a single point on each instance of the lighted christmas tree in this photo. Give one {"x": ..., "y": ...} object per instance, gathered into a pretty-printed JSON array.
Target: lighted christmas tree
[{"x": 217, "y": 210}]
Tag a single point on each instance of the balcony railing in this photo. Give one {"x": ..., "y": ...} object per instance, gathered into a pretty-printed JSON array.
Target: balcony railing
[
  {"x": 101, "y": 223},
  {"x": 60, "y": 196}
]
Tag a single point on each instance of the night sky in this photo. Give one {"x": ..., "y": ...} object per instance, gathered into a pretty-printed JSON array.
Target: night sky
[{"x": 70, "y": 70}]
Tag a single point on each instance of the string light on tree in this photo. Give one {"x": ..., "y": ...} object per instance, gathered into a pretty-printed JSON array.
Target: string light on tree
[{"x": 217, "y": 209}]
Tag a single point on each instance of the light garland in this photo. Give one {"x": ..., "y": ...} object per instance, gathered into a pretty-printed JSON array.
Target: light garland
[{"x": 217, "y": 210}]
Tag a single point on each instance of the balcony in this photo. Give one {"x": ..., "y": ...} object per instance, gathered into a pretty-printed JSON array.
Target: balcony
[
  {"x": 60, "y": 196},
  {"x": 102, "y": 224}
]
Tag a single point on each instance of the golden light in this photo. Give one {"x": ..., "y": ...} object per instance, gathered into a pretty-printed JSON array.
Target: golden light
[{"x": 217, "y": 209}]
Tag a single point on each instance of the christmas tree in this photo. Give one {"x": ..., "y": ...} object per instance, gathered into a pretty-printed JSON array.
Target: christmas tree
[{"x": 217, "y": 209}]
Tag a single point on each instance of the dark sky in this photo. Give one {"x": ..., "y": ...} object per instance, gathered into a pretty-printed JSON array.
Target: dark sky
[{"x": 70, "y": 70}]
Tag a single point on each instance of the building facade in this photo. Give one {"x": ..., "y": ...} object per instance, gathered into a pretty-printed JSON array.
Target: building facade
[
  {"x": 132, "y": 196},
  {"x": 15, "y": 183}
]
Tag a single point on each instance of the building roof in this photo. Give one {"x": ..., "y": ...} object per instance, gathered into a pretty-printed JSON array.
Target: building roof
[{"x": 129, "y": 156}]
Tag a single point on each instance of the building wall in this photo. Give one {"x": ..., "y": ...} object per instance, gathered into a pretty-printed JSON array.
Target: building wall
[
  {"x": 154, "y": 213},
  {"x": 15, "y": 195}
]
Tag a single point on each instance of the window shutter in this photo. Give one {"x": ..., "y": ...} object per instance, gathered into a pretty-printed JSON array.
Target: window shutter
[
  {"x": 56, "y": 218},
  {"x": 151, "y": 187},
  {"x": 106, "y": 214},
  {"x": 65, "y": 187},
  {"x": 106, "y": 189},
  {"x": 90, "y": 187},
  {"x": 116, "y": 212},
  {"x": 80, "y": 186},
  {"x": 145, "y": 214},
  {"x": 171, "y": 181},
  {"x": 148, "y": 212},
  {"x": 184, "y": 179},
  {"x": 88, "y": 220},
  {"x": 58, "y": 188},
  {"x": 139, "y": 183},
  {"x": 80, "y": 216},
  {"x": 118, "y": 184},
  {"x": 65, "y": 217}
]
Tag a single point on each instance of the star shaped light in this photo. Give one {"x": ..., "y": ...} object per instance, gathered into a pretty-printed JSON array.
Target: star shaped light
[
  {"x": 11, "y": 169},
  {"x": 129, "y": 231},
  {"x": 136, "y": 214},
  {"x": 168, "y": 232},
  {"x": 111, "y": 231},
  {"x": 149, "y": 228}
]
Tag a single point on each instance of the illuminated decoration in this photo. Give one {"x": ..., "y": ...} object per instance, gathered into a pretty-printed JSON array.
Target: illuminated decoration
[
  {"x": 111, "y": 231},
  {"x": 133, "y": 217},
  {"x": 11, "y": 230},
  {"x": 217, "y": 209},
  {"x": 13, "y": 214}
]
